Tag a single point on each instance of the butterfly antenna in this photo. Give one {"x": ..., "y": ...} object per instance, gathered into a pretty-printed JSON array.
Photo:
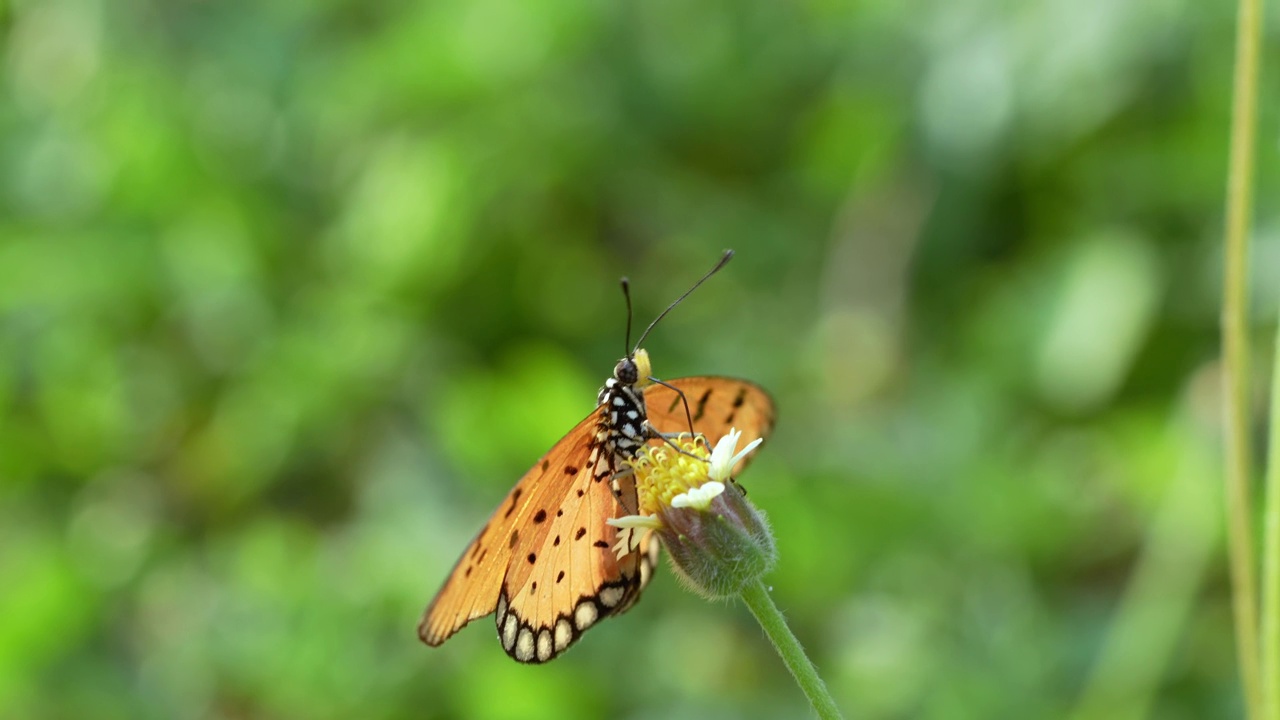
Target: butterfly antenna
[
  {"x": 728, "y": 255},
  {"x": 626, "y": 293}
]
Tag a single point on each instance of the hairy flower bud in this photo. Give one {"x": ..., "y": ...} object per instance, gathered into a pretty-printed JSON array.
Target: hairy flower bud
[{"x": 721, "y": 547}]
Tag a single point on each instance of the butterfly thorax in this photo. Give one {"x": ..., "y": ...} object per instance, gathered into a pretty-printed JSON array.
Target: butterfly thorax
[{"x": 621, "y": 428}]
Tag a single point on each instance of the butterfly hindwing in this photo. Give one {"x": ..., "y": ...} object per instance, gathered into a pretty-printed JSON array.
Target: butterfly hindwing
[
  {"x": 573, "y": 579},
  {"x": 545, "y": 560}
]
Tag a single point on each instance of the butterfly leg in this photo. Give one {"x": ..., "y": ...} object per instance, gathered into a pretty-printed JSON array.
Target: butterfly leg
[
  {"x": 623, "y": 484},
  {"x": 653, "y": 433},
  {"x": 688, "y": 415}
]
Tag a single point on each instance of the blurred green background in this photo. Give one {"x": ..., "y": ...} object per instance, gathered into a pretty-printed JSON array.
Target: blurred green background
[{"x": 292, "y": 292}]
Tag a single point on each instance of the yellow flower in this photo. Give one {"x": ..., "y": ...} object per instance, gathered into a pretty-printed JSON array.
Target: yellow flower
[{"x": 717, "y": 540}]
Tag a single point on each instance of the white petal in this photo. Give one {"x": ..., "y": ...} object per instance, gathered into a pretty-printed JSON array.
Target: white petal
[
  {"x": 745, "y": 452},
  {"x": 700, "y": 497},
  {"x": 636, "y": 521},
  {"x": 624, "y": 544},
  {"x": 722, "y": 456}
]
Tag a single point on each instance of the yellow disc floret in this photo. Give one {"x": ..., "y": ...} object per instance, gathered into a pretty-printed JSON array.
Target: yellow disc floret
[
  {"x": 718, "y": 542},
  {"x": 662, "y": 473}
]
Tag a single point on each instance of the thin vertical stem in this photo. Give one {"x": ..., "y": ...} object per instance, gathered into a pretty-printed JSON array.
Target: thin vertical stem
[
  {"x": 1235, "y": 345},
  {"x": 1271, "y": 558},
  {"x": 756, "y": 596}
]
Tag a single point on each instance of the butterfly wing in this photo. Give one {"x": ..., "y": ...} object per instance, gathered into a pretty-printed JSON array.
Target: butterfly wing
[
  {"x": 545, "y": 560},
  {"x": 716, "y": 404}
]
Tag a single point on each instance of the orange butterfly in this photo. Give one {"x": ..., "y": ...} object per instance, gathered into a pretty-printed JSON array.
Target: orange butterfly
[{"x": 545, "y": 561}]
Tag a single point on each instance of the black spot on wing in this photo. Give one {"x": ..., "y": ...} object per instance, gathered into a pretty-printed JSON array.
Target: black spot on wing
[
  {"x": 515, "y": 496},
  {"x": 702, "y": 405},
  {"x": 737, "y": 403},
  {"x": 478, "y": 547}
]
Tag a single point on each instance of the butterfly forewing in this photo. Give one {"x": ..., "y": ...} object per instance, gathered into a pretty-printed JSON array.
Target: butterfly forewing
[{"x": 717, "y": 404}]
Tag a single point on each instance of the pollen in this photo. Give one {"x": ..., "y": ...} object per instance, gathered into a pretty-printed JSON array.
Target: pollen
[
  {"x": 662, "y": 473},
  {"x": 644, "y": 368}
]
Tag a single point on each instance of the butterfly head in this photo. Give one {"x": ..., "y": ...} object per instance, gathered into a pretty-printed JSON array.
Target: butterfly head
[{"x": 634, "y": 370}]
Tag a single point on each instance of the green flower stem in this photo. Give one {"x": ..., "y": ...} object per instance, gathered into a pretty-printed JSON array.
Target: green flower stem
[
  {"x": 1271, "y": 559},
  {"x": 1235, "y": 349},
  {"x": 756, "y": 596}
]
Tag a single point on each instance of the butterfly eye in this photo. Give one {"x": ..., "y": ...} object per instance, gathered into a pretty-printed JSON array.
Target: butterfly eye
[{"x": 626, "y": 372}]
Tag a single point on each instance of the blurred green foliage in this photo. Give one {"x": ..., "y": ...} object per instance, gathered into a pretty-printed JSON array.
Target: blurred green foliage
[{"x": 292, "y": 292}]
